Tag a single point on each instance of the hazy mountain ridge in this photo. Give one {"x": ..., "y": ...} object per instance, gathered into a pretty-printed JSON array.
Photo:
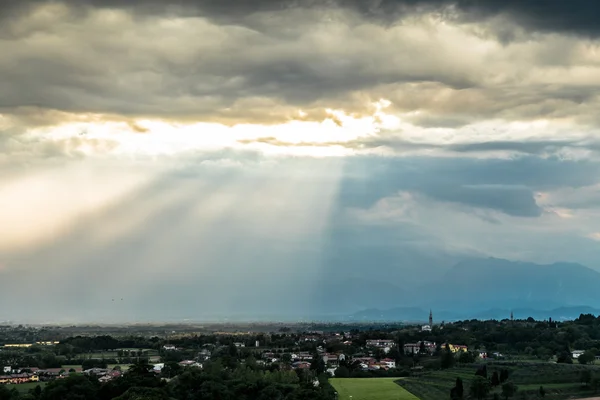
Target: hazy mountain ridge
[
  {"x": 473, "y": 288},
  {"x": 413, "y": 314},
  {"x": 492, "y": 288},
  {"x": 491, "y": 283}
]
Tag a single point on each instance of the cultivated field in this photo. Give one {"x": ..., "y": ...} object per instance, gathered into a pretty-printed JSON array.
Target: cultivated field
[
  {"x": 370, "y": 389},
  {"x": 560, "y": 381}
]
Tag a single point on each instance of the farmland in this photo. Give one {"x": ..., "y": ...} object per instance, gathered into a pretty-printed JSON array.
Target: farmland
[
  {"x": 370, "y": 389},
  {"x": 559, "y": 381}
]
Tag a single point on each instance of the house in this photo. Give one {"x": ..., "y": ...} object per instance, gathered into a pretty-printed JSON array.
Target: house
[
  {"x": 380, "y": 343},
  {"x": 169, "y": 347},
  {"x": 364, "y": 362},
  {"x": 333, "y": 359},
  {"x": 96, "y": 371},
  {"x": 426, "y": 328},
  {"x": 416, "y": 348},
  {"x": 576, "y": 353},
  {"x": 454, "y": 348},
  {"x": 239, "y": 344},
  {"x": 15, "y": 379},
  {"x": 158, "y": 367},
  {"x": 384, "y": 344},
  {"x": 190, "y": 363},
  {"x": 301, "y": 365},
  {"x": 482, "y": 354},
  {"x": 302, "y": 356},
  {"x": 388, "y": 363},
  {"x": 412, "y": 348}
]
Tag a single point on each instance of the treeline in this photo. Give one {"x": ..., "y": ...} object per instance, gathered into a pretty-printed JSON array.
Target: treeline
[
  {"x": 539, "y": 339},
  {"x": 214, "y": 381}
]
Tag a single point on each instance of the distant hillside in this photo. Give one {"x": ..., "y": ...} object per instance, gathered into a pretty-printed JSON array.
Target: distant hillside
[
  {"x": 481, "y": 284},
  {"x": 420, "y": 315},
  {"x": 492, "y": 288}
]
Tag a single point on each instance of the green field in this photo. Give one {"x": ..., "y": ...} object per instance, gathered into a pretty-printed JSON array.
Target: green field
[
  {"x": 370, "y": 389},
  {"x": 24, "y": 387},
  {"x": 561, "y": 381}
]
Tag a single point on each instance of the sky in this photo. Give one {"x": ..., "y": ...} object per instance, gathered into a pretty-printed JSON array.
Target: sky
[{"x": 221, "y": 156}]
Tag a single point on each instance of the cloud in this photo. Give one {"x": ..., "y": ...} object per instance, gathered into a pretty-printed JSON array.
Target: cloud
[
  {"x": 262, "y": 63},
  {"x": 554, "y": 15},
  {"x": 403, "y": 145},
  {"x": 595, "y": 236},
  {"x": 507, "y": 186}
]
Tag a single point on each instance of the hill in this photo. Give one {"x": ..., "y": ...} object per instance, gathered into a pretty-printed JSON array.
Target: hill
[{"x": 492, "y": 288}]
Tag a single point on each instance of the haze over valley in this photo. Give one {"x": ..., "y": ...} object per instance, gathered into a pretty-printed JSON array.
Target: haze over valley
[{"x": 298, "y": 160}]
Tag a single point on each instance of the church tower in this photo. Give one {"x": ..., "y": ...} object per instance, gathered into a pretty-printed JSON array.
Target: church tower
[{"x": 430, "y": 318}]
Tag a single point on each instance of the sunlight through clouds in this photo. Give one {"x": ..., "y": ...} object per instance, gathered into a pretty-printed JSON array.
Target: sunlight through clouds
[{"x": 247, "y": 151}]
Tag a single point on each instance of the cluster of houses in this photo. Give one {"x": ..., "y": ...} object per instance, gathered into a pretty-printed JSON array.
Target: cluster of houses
[
  {"x": 104, "y": 375},
  {"x": 24, "y": 375},
  {"x": 14, "y": 379},
  {"x": 333, "y": 361},
  {"x": 157, "y": 368}
]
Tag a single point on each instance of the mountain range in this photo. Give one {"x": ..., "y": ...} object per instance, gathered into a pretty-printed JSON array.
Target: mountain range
[
  {"x": 492, "y": 288},
  {"x": 362, "y": 289}
]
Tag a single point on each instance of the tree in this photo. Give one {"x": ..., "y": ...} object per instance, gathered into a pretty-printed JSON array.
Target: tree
[
  {"x": 542, "y": 392},
  {"x": 447, "y": 358},
  {"x": 482, "y": 371},
  {"x": 564, "y": 358},
  {"x": 585, "y": 377},
  {"x": 317, "y": 365},
  {"x": 596, "y": 383},
  {"x": 459, "y": 388},
  {"x": 5, "y": 393},
  {"x": 508, "y": 389},
  {"x": 586, "y": 358},
  {"x": 453, "y": 395},
  {"x": 466, "y": 357},
  {"x": 143, "y": 393},
  {"x": 495, "y": 379},
  {"x": 342, "y": 372},
  {"x": 286, "y": 358},
  {"x": 503, "y": 375},
  {"x": 140, "y": 369},
  {"x": 480, "y": 387}
]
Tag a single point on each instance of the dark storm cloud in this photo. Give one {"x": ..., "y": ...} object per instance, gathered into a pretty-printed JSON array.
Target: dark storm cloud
[
  {"x": 263, "y": 68},
  {"x": 574, "y": 16},
  {"x": 507, "y": 186}
]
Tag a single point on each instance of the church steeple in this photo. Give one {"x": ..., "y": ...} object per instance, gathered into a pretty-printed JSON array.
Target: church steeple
[
  {"x": 512, "y": 316},
  {"x": 430, "y": 318}
]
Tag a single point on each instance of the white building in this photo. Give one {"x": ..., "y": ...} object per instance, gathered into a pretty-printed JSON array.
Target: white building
[
  {"x": 577, "y": 353},
  {"x": 158, "y": 367}
]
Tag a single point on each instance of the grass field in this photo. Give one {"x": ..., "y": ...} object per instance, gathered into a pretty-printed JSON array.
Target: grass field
[
  {"x": 370, "y": 389},
  {"x": 24, "y": 387}
]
